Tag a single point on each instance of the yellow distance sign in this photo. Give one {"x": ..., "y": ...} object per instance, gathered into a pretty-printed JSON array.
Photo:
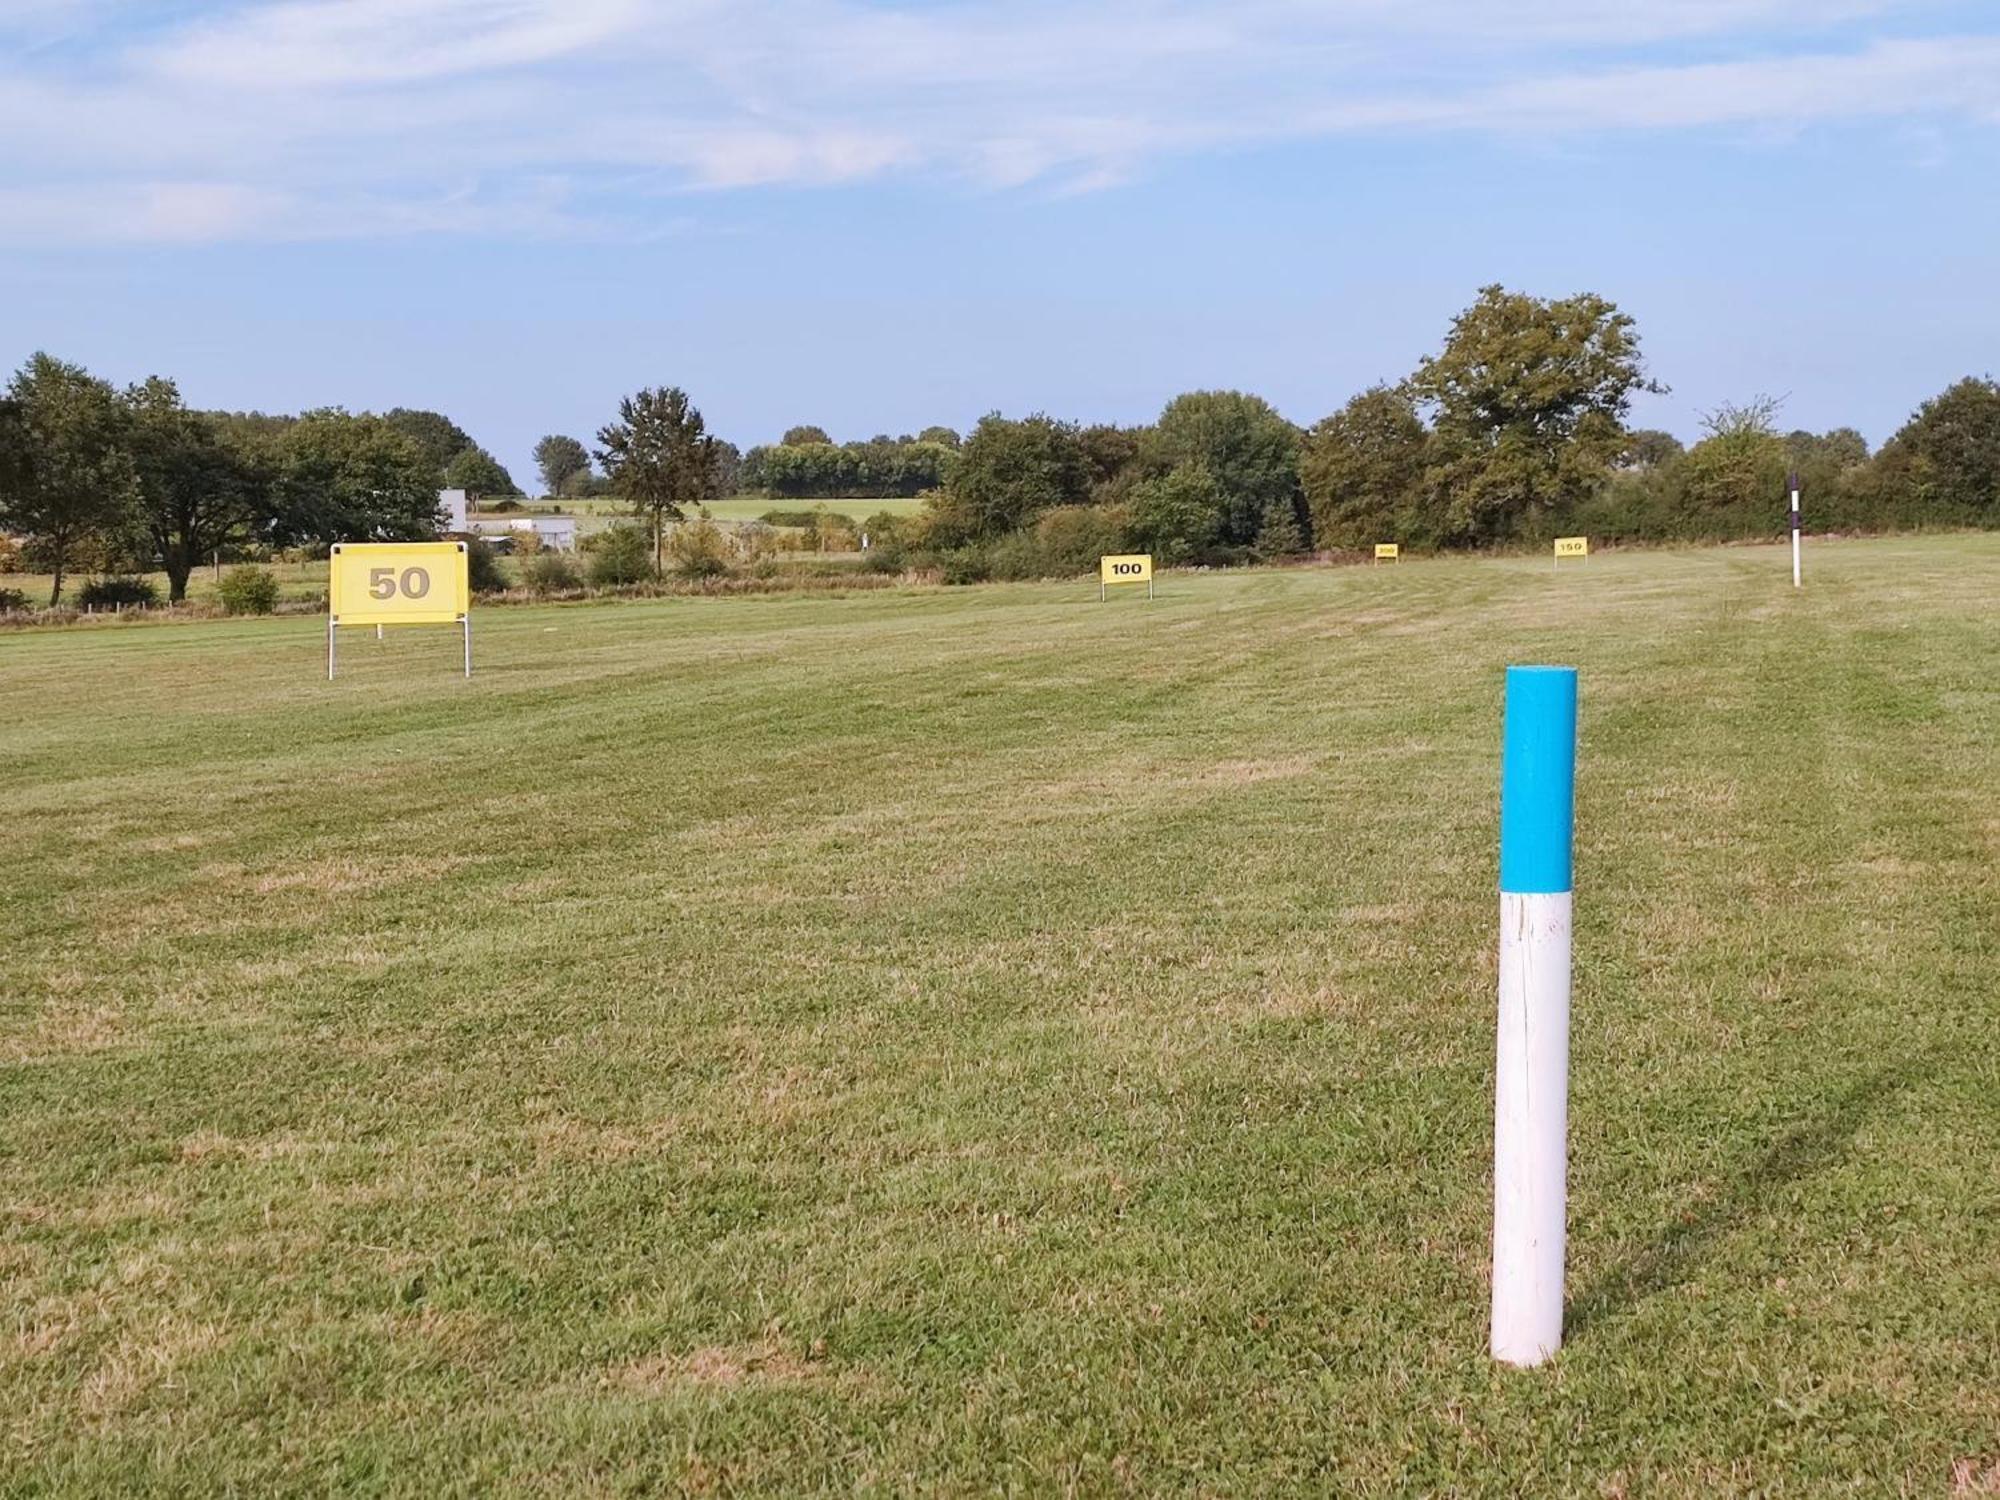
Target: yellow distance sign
[
  {"x": 1135, "y": 567},
  {"x": 1572, "y": 546},
  {"x": 398, "y": 583},
  {"x": 1388, "y": 552}
]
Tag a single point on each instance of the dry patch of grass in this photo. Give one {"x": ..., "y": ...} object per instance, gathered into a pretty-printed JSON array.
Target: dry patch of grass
[{"x": 764, "y": 1363}]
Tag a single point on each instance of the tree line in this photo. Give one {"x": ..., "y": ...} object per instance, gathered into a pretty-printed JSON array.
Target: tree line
[
  {"x": 112, "y": 480},
  {"x": 1515, "y": 431}
]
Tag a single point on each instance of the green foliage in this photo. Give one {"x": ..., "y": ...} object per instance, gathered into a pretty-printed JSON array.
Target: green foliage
[
  {"x": 1178, "y": 516},
  {"x": 1280, "y": 535},
  {"x": 1071, "y": 538},
  {"x": 118, "y": 593},
  {"x": 1649, "y": 448},
  {"x": 68, "y": 473},
  {"x": 1250, "y": 453},
  {"x": 478, "y": 472},
  {"x": 343, "y": 478},
  {"x": 1009, "y": 472},
  {"x": 698, "y": 549},
  {"x": 1363, "y": 470},
  {"x": 804, "y": 436},
  {"x": 619, "y": 555},
  {"x": 880, "y": 466},
  {"x": 797, "y": 518},
  {"x": 1111, "y": 454},
  {"x": 482, "y": 567},
  {"x": 12, "y": 600},
  {"x": 1943, "y": 467},
  {"x": 944, "y": 437},
  {"x": 437, "y": 441},
  {"x": 1528, "y": 401},
  {"x": 248, "y": 591},
  {"x": 198, "y": 489},
  {"x": 560, "y": 461},
  {"x": 552, "y": 572},
  {"x": 968, "y": 564},
  {"x": 659, "y": 457},
  {"x": 1732, "y": 483}
]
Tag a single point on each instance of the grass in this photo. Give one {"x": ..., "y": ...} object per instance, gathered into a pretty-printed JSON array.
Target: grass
[{"x": 986, "y": 1040}]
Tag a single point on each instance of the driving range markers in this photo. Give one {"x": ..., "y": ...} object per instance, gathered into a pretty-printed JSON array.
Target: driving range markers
[
  {"x": 1388, "y": 552},
  {"x": 1128, "y": 567},
  {"x": 1571, "y": 546},
  {"x": 1797, "y": 581},
  {"x": 1531, "y": 1078},
  {"x": 398, "y": 583}
]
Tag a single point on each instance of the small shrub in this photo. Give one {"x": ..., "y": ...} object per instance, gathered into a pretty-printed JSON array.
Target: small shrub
[
  {"x": 1073, "y": 537},
  {"x": 1014, "y": 557},
  {"x": 699, "y": 550},
  {"x": 482, "y": 567},
  {"x": 12, "y": 599},
  {"x": 118, "y": 593},
  {"x": 248, "y": 591},
  {"x": 807, "y": 519},
  {"x": 552, "y": 573},
  {"x": 964, "y": 565},
  {"x": 620, "y": 555},
  {"x": 502, "y": 507}
]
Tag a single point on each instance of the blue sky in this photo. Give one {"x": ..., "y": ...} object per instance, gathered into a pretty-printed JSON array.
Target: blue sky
[{"x": 877, "y": 216}]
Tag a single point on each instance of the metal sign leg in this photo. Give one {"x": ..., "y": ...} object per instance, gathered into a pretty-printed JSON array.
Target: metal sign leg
[
  {"x": 329, "y": 650},
  {"x": 466, "y": 621}
]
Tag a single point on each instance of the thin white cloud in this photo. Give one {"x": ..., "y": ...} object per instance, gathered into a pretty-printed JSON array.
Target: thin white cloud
[{"x": 330, "y": 117}]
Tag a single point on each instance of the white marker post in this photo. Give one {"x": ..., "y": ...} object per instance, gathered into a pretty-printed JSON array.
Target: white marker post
[
  {"x": 1531, "y": 1088},
  {"x": 1796, "y": 581}
]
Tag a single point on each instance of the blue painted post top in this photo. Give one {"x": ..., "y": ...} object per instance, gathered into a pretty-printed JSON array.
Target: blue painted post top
[{"x": 1538, "y": 780}]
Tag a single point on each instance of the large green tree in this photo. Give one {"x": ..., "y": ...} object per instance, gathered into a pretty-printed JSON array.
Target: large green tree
[
  {"x": 1528, "y": 400},
  {"x": 560, "y": 460},
  {"x": 198, "y": 491},
  {"x": 1176, "y": 516},
  {"x": 478, "y": 472},
  {"x": 1732, "y": 482},
  {"x": 70, "y": 480},
  {"x": 1943, "y": 467},
  {"x": 435, "y": 436},
  {"x": 802, "y": 436},
  {"x": 659, "y": 457},
  {"x": 1250, "y": 452},
  {"x": 347, "y": 478},
  {"x": 1363, "y": 470},
  {"x": 1009, "y": 471}
]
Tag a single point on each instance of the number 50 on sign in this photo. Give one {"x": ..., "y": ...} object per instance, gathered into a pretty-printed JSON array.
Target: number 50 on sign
[{"x": 398, "y": 583}]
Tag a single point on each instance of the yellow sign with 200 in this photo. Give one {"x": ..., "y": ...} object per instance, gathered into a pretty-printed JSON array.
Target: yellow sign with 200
[{"x": 398, "y": 583}]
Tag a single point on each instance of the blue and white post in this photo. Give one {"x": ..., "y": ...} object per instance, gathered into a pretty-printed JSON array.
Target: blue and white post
[{"x": 1531, "y": 1091}]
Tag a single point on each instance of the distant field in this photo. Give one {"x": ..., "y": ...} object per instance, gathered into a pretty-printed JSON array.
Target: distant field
[
  {"x": 989, "y": 1041},
  {"x": 295, "y": 581},
  {"x": 740, "y": 507}
]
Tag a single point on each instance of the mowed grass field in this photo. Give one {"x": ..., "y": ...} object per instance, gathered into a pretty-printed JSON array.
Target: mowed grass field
[{"x": 982, "y": 1041}]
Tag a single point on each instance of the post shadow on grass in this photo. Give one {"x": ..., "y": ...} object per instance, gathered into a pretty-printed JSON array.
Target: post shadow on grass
[{"x": 1799, "y": 1151}]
